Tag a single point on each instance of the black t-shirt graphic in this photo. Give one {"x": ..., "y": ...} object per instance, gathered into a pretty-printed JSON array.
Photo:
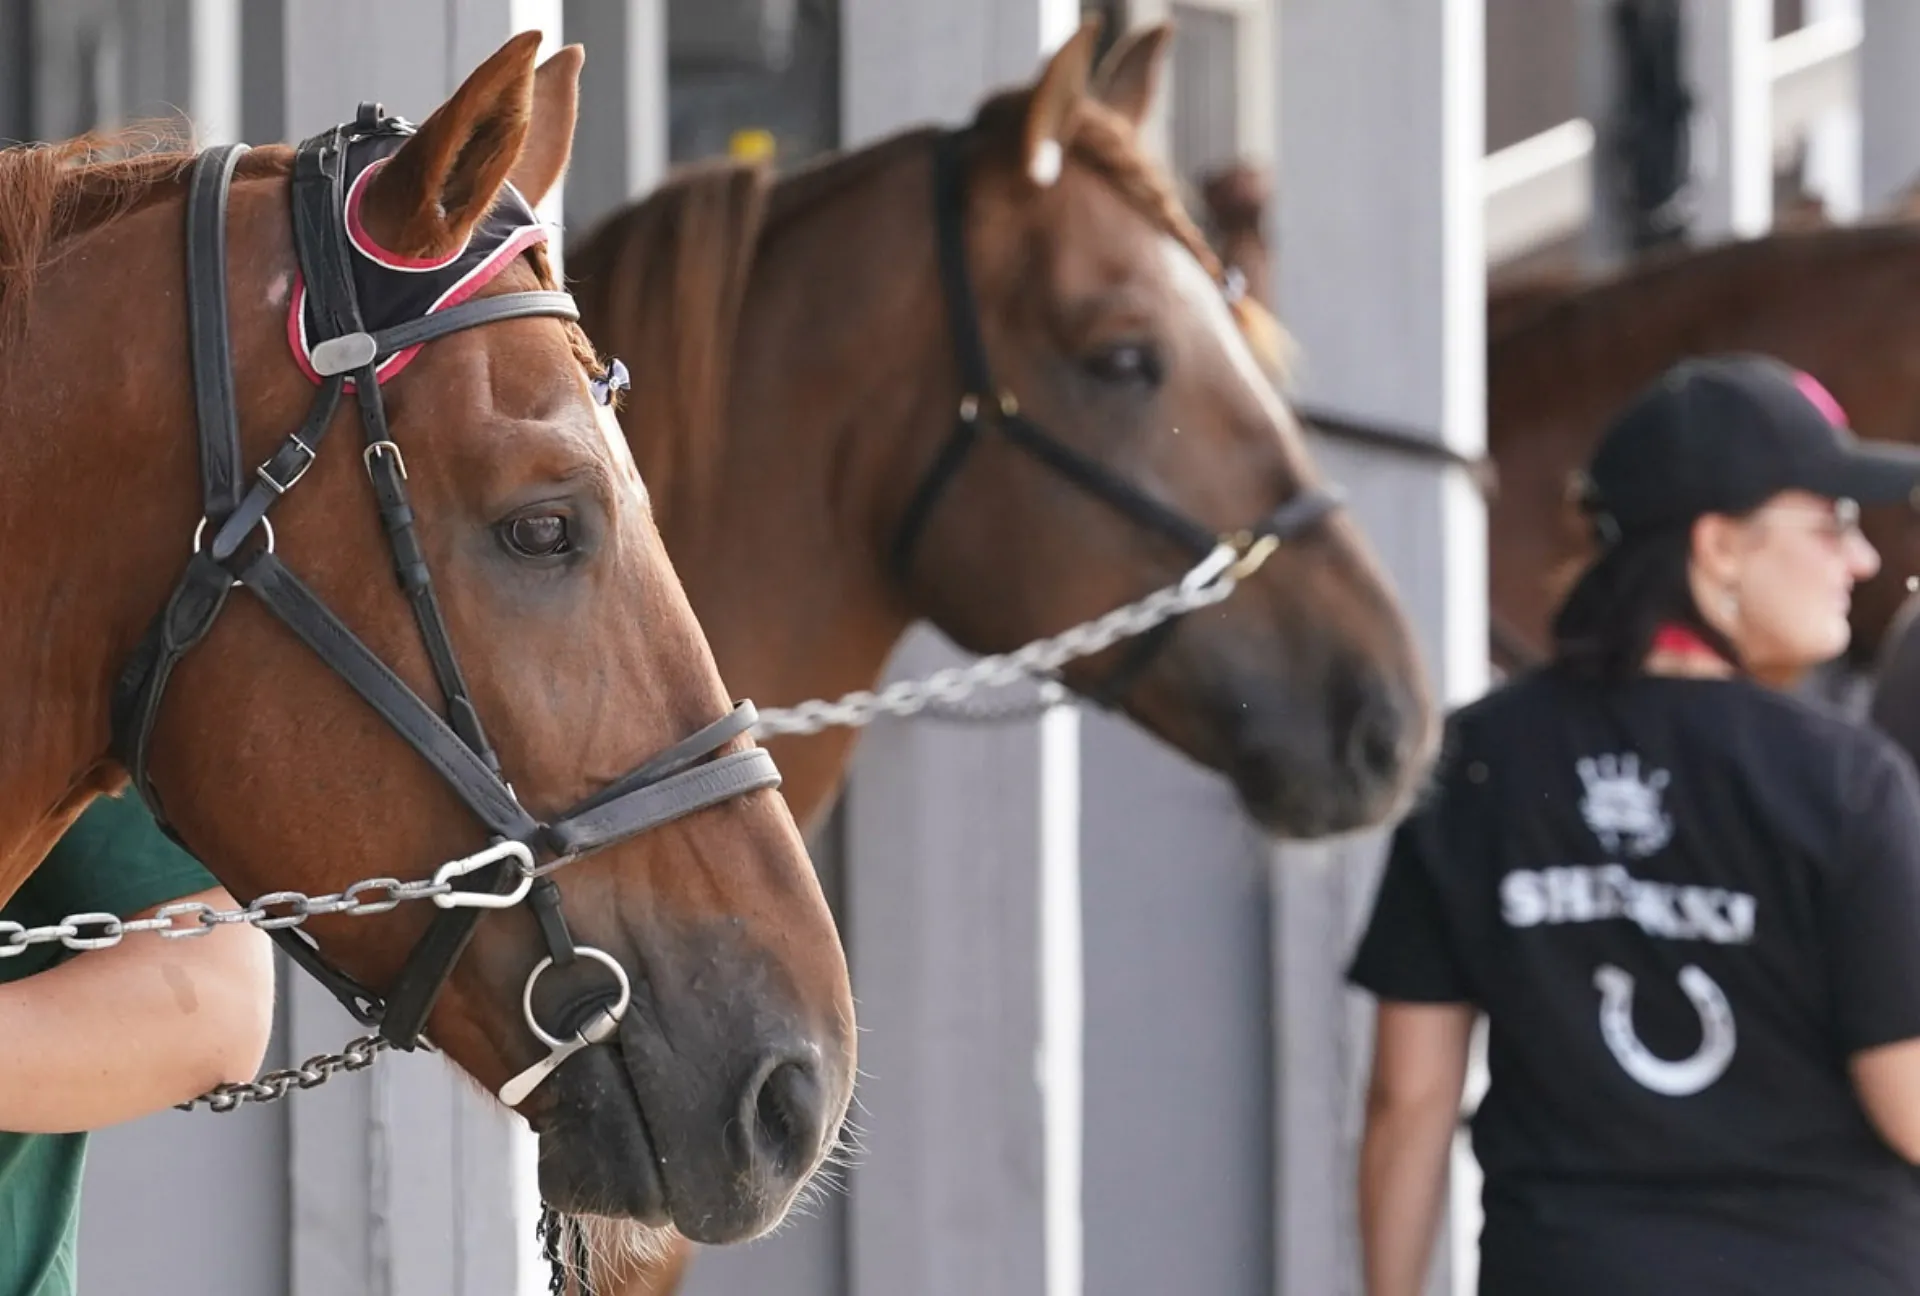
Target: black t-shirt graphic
[{"x": 1681, "y": 903}]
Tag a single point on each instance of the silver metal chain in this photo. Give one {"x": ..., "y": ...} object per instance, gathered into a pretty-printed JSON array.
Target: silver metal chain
[
  {"x": 279, "y": 909},
  {"x": 1210, "y": 581},
  {"x": 275, "y": 1085}
]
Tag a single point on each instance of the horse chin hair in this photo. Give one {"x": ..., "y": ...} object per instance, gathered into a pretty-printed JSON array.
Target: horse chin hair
[{"x": 617, "y": 1248}]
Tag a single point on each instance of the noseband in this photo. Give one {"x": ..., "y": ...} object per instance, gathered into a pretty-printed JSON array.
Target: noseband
[
  {"x": 337, "y": 346},
  {"x": 982, "y": 404}
]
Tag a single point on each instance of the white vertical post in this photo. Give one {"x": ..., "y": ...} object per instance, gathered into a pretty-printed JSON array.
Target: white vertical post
[
  {"x": 1889, "y": 99},
  {"x": 1725, "y": 52},
  {"x": 1062, "y": 1001},
  {"x": 214, "y": 60},
  {"x": 963, "y": 918},
  {"x": 620, "y": 145},
  {"x": 1833, "y": 144},
  {"x": 962, "y": 857},
  {"x": 1382, "y": 106}
]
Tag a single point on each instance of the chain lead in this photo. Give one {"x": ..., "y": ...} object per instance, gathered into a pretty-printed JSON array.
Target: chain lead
[
  {"x": 1210, "y": 580},
  {"x": 275, "y": 1085}
]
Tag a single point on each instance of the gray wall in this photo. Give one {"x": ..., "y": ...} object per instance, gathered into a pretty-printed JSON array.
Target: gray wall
[
  {"x": 107, "y": 62},
  {"x": 178, "y": 1185},
  {"x": 1175, "y": 902}
]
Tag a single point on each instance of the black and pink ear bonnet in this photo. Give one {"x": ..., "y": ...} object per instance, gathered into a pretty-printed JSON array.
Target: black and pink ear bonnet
[{"x": 393, "y": 288}]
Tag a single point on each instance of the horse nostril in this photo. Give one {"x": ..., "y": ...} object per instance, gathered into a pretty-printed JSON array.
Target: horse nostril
[
  {"x": 1376, "y": 746},
  {"x": 1375, "y": 724},
  {"x": 787, "y": 1112}
]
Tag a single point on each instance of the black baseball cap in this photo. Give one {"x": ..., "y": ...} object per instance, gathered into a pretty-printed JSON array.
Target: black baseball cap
[{"x": 1724, "y": 434}]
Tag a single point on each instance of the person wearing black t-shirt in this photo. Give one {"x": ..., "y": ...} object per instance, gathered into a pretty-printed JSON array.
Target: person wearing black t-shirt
[{"x": 1688, "y": 904}]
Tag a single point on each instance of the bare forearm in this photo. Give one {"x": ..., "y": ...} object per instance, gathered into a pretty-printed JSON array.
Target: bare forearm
[
  {"x": 1403, "y": 1179},
  {"x": 118, "y": 1033}
]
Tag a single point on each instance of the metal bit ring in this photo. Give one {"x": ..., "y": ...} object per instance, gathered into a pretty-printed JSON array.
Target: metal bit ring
[{"x": 584, "y": 951}]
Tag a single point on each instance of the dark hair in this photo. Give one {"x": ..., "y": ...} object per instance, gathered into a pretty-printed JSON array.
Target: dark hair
[{"x": 1605, "y": 626}]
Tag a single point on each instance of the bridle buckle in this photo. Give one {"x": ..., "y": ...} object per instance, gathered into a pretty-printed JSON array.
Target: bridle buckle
[
  {"x": 282, "y": 487},
  {"x": 384, "y": 448}
]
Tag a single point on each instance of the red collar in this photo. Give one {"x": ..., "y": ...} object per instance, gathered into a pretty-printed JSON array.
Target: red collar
[{"x": 1682, "y": 642}]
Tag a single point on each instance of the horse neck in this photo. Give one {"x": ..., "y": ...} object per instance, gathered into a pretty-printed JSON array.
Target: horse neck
[
  {"x": 96, "y": 510},
  {"x": 840, "y": 360}
]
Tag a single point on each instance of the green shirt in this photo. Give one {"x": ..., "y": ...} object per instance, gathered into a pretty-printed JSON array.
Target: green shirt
[{"x": 114, "y": 860}]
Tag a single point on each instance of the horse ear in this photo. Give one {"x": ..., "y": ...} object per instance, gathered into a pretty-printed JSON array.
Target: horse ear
[
  {"x": 429, "y": 196},
  {"x": 556, "y": 106},
  {"x": 1129, "y": 76},
  {"x": 1056, "y": 97}
]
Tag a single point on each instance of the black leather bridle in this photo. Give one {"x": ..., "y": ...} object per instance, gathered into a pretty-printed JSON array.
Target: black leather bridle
[
  {"x": 982, "y": 404},
  {"x": 674, "y": 783}
]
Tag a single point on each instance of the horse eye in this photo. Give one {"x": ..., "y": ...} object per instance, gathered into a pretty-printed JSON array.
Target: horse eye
[
  {"x": 1125, "y": 362},
  {"x": 542, "y": 535}
]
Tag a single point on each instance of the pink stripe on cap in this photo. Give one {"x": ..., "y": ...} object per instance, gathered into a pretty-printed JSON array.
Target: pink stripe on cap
[{"x": 1822, "y": 398}]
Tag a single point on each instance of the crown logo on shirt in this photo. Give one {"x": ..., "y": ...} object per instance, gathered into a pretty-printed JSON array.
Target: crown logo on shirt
[{"x": 1621, "y": 807}]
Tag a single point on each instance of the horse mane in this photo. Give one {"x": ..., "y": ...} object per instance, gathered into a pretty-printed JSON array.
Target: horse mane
[
  {"x": 50, "y": 193},
  {"x": 668, "y": 275}
]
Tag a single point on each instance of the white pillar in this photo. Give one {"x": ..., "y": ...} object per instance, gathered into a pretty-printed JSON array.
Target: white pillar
[
  {"x": 962, "y": 883},
  {"x": 620, "y": 145},
  {"x": 962, "y": 855},
  {"x": 1833, "y": 143},
  {"x": 1381, "y": 112},
  {"x": 403, "y": 1181},
  {"x": 214, "y": 60},
  {"x": 1889, "y": 99},
  {"x": 1725, "y": 52}
]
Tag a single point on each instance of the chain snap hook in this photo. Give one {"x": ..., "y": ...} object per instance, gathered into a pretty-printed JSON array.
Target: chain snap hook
[
  {"x": 1253, "y": 555},
  {"x": 500, "y": 850}
]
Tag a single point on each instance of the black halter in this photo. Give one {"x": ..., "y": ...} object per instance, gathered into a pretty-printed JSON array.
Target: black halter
[
  {"x": 674, "y": 783},
  {"x": 979, "y": 406}
]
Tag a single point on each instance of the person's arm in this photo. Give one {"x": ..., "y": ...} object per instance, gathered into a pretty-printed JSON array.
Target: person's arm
[
  {"x": 1413, "y": 1107},
  {"x": 113, "y": 1034},
  {"x": 1887, "y": 1079},
  {"x": 1871, "y": 925},
  {"x": 1407, "y": 958}
]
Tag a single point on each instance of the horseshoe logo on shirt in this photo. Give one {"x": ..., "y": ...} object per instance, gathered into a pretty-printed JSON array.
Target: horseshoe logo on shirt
[{"x": 1688, "y": 1075}]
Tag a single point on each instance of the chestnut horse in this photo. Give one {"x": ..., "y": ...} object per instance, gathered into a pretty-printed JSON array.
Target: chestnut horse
[
  {"x": 800, "y": 347},
  {"x": 1564, "y": 352},
  {"x": 526, "y": 553}
]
